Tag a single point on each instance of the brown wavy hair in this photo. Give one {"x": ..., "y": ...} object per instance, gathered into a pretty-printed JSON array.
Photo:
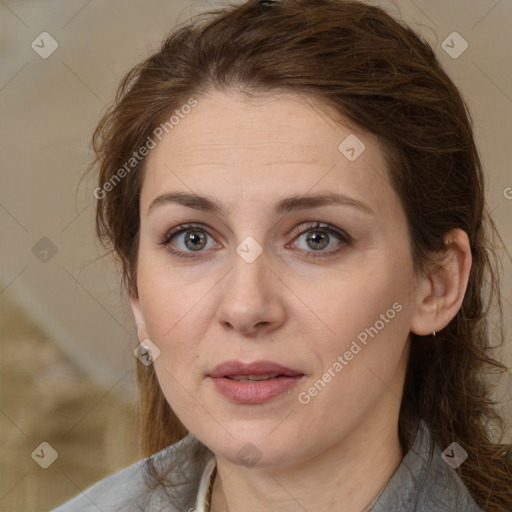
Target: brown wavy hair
[{"x": 378, "y": 74}]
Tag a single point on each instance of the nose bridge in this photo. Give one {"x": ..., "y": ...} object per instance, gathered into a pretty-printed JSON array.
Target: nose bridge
[
  {"x": 249, "y": 295},
  {"x": 248, "y": 275}
]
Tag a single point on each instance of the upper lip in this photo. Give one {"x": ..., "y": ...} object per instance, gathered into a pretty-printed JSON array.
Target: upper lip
[{"x": 232, "y": 367}]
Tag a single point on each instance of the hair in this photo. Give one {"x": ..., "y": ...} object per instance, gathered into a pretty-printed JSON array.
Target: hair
[{"x": 375, "y": 72}]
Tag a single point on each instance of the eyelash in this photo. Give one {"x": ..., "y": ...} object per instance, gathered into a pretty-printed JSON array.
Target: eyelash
[{"x": 320, "y": 226}]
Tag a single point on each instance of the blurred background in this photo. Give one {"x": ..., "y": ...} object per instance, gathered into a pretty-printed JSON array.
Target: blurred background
[{"x": 67, "y": 335}]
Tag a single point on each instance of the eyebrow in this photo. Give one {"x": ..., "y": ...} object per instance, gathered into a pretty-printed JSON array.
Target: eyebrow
[{"x": 289, "y": 204}]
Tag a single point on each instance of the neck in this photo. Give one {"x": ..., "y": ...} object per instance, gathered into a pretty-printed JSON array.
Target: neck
[{"x": 364, "y": 461}]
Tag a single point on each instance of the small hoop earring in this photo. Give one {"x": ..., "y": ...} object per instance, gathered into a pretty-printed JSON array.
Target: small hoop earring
[{"x": 433, "y": 333}]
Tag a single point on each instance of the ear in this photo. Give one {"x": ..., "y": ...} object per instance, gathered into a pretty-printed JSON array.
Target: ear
[
  {"x": 139, "y": 318},
  {"x": 439, "y": 297}
]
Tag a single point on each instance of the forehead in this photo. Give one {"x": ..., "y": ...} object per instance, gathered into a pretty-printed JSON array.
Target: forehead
[
  {"x": 230, "y": 123},
  {"x": 271, "y": 144}
]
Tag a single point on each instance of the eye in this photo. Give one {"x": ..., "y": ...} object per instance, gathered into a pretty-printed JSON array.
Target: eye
[
  {"x": 318, "y": 237},
  {"x": 193, "y": 238}
]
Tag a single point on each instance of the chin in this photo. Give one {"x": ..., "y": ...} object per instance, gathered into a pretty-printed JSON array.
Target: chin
[{"x": 254, "y": 449}]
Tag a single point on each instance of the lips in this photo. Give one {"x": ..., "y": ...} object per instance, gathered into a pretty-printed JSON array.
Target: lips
[
  {"x": 253, "y": 383},
  {"x": 237, "y": 369}
]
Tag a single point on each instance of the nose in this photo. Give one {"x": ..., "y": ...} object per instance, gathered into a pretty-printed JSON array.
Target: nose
[{"x": 251, "y": 298}]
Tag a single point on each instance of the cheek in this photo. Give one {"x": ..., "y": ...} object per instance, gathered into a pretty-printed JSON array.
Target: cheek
[
  {"x": 345, "y": 307},
  {"x": 363, "y": 317},
  {"x": 168, "y": 311},
  {"x": 365, "y": 344},
  {"x": 358, "y": 367},
  {"x": 177, "y": 310},
  {"x": 171, "y": 299}
]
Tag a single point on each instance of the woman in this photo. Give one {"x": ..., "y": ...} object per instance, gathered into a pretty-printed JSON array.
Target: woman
[{"x": 295, "y": 196}]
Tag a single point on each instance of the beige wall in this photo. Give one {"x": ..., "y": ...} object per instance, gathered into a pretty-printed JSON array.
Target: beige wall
[{"x": 49, "y": 108}]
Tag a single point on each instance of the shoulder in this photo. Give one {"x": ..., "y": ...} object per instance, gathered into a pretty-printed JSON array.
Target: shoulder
[
  {"x": 128, "y": 490},
  {"x": 424, "y": 482}
]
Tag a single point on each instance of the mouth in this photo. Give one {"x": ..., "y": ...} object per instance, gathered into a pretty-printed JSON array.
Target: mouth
[
  {"x": 258, "y": 370},
  {"x": 253, "y": 383},
  {"x": 253, "y": 378}
]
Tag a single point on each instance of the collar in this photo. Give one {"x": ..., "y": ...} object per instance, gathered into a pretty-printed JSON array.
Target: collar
[{"x": 204, "y": 493}]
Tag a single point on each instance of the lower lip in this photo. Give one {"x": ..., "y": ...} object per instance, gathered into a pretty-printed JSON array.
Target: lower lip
[{"x": 255, "y": 392}]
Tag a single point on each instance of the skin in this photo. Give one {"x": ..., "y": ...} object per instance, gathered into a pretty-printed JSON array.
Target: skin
[{"x": 284, "y": 307}]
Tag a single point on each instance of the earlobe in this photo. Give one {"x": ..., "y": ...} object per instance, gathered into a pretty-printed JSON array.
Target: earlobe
[
  {"x": 440, "y": 296},
  {"x": 139, "y": 317}
]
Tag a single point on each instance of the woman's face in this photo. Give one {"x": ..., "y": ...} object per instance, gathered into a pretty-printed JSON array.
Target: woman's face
[{"x": 258, "y": 280}]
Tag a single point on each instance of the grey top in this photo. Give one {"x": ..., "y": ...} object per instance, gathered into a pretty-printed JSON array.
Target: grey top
[{"x": 418, "y": 484}]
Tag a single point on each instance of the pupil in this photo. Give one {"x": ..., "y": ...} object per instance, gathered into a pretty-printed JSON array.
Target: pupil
[
  {"x": 195, "y": 237},
  {"x": 316, "y": 241}
]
